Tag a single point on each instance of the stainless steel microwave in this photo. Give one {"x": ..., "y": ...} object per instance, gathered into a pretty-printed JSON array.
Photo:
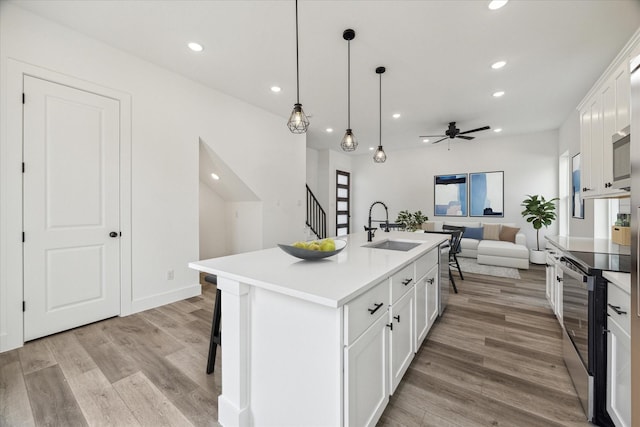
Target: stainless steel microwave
[{"x": 622, "y": 159}]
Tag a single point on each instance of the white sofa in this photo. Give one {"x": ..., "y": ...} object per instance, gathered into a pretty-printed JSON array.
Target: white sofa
[{"x": 489, "y": 251}]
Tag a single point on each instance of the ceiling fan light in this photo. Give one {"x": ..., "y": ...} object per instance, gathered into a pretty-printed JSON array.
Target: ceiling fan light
[
  {"x": 349, "y": 142},
  {"x": 298, "y": 121},
  {"x": 379, "y": 156}
]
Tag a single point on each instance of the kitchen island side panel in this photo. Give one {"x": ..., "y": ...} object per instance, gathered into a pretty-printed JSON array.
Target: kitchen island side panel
[{"x": 296, "y": 361}]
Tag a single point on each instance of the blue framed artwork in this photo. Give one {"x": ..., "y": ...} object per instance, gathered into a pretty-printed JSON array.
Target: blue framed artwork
[
  {"x": 450, "y": 195},
  {"x": 486, "y": 194},
  {"x": 577, "y": 204}
]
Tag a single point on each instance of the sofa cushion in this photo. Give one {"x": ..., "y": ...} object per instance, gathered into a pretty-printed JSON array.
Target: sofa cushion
[
  {"x": 508, "y": 234},
  {"x": 463, "y": 223},
  {"x": 502, "y": 249},
  {"x": 471, "y": 244},
  {"x": 432, "y": 225},
  {"x": 473, "y": 233},
  {"x": 491, "y": 232}
]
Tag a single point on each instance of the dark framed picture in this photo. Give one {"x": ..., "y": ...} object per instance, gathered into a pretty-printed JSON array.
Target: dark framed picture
[
  {"x": 577, "y": 204},
  {"x": 486, "y": 194},
  {"x": 450, "y": 195}
]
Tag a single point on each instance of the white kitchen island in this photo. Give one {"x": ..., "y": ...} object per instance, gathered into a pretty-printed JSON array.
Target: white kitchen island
[{"x": 325, "y": 342}]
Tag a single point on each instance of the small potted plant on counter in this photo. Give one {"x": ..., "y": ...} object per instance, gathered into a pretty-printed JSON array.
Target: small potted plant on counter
[
  {"x": 411, "y": 221},
  {"x": 539, "y": 212}
]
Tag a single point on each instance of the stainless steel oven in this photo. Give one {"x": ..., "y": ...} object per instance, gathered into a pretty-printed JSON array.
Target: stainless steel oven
[{"x": 577, "y": 299}]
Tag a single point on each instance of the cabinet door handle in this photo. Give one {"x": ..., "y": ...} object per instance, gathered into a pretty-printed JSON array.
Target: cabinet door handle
[
  {"x": 373, "y": 310},
  {"x": 390, "y": 326},
  {"x": 397, "y": 318},
  {"x": 616, "y": 308},
  {"x": 406, "y": 281},
  {"x": 586, "y": 189},
  {"x": 558, "y": 278},
  {"x": 431, "y": 280}
]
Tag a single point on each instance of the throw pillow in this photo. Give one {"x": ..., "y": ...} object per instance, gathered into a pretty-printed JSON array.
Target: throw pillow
[
  {"x": 473, "y": 233},
  {"x": 491, "y": 232},
  {"x": 428, "y": 226},
  {"x": 508, "y": 234}
]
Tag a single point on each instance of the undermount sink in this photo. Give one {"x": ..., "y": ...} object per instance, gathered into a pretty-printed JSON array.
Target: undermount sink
[{"x": 394, "y": 245}]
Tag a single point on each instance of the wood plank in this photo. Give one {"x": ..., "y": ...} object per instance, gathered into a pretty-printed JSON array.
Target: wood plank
[
  {"x": 147, "y": 403},
  {"x": 195, "y": 366},
  {"x": 99, "y": 401},
  {"x": 36, "y": 355},
  {"x": 71, "y": 356},
  {"x": 15, "y": 409},
  {"x": 113, "y": 361},
  {"x": 52, "y": 401}
]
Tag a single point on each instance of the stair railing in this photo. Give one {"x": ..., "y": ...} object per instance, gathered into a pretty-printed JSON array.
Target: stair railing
[{"x": 316, "y": 216}]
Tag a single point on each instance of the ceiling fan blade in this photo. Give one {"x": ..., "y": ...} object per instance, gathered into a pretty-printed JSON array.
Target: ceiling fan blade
[
  {"x": 446, "y": 137},
  {"x": 432, "y": 136},
  {"x": 465, "y": 137},
  {"x": 475, "y": 130}
]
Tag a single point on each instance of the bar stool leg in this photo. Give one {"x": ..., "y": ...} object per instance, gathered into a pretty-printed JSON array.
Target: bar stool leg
[{"x": 215, "y": 340}]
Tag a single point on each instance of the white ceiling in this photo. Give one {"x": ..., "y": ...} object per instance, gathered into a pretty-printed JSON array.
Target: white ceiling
[{"x": 437, "y": 53}]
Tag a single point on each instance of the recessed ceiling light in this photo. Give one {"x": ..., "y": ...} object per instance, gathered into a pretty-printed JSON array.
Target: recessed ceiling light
[
  {"x": 497, "y": 130},
  {"x": 396, "y": 115},
  {"x": 498, "y": 65},
  {"x": 196, "y": 47},
  {"x": 370, "y": 148},
  {"x": 497, "y": 4},
  {"x": 425, "y": 140},
  {"x": 275, "y": 89},
  {"x": 214, "y": 176},
  {"x": 329, "y": 130},
  {"x": 498, "y": 94}
]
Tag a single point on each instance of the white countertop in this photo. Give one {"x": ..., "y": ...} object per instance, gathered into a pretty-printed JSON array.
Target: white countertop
[
  {"x": 622, "y": 280},
  {"x": 331, "y": 281},
  {"x": 586, "y": 244}
]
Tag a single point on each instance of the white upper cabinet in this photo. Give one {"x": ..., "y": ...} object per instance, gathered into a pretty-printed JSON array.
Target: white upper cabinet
[{"x": 603, "y": 113}]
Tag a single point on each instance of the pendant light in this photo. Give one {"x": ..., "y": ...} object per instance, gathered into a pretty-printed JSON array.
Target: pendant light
[
  {"x": 349, "y": 142},
  {"x": 380, "y": 156},
  {"x": 298, "y": 121}
]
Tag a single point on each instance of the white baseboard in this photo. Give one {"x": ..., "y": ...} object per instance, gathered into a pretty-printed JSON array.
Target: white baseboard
[{"x": 165, "y": 298}]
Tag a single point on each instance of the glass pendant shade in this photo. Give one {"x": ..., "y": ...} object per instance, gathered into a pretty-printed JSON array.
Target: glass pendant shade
[
  {"x": 349, "y": 142},
  {"x": 379, "y": 156},
  {"x": 298, "y": 121}
]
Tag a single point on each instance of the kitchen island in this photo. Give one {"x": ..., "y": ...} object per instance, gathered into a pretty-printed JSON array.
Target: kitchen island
[{"x": 321, "y": 342}]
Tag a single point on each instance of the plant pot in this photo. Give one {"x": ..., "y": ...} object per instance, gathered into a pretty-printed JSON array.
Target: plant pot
[{"x": 537, "y": 257}]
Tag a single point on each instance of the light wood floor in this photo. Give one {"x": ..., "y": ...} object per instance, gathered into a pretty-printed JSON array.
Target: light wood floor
[{"x": 493, "y": 359}]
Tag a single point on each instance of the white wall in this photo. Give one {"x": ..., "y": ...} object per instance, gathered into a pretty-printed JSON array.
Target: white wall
[
  {"x": 169, "y": 115},
  {"x": 212, "y": 228},
  {"x": 405, "y": 180},
  {"x": 569, "y": 140},
  {"x": 312, "y": 170}
]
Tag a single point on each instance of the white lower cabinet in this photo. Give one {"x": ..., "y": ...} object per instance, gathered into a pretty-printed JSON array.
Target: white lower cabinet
[
  {"x": 432, "y": 296},
  {"x": 401, "y": 342},
  {"x": 618, "y": 375},
  {"x": 367, "y": 375},
  {"x": 619, "y": 354}
]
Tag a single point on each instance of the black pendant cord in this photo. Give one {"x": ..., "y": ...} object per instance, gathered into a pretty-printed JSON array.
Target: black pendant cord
[
  {"x": 349, "y": 84},
  {"x": 297, "y": 60},
  {"x": 380, "y": 122}
]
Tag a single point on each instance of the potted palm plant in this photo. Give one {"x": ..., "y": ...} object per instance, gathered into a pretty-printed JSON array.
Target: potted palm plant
[
  {"x": 411, "y": 221},
  {"x": 539, "y": 212}
]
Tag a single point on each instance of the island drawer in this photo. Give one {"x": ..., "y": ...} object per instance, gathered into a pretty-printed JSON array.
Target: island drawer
[
  {"x": 426, "y": 263},
  {"x": 619, "y": 307},
  {"x": 402, "y": 282},
  {"x": 364, "y": 310}
]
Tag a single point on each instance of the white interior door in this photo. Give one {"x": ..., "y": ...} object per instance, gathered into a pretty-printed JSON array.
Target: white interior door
[{"x": 71, "y": 206}]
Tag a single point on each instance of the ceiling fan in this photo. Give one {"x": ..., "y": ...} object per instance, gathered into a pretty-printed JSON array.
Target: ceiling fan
[{"x": 453, "y": 132}]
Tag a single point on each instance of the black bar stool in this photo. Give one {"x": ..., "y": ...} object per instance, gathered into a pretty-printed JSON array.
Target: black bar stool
[{"x": 216, "y": 339}]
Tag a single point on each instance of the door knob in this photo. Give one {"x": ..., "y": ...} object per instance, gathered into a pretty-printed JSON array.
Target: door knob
[{"x": 113, "y": 234}]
